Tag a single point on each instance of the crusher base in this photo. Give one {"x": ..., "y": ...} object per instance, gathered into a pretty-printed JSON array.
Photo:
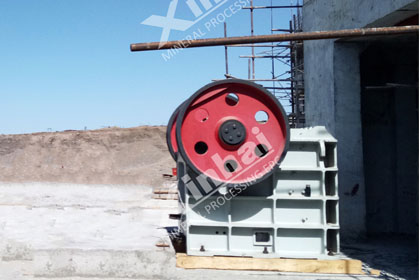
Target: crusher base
[{"x": 293, "y": 213}]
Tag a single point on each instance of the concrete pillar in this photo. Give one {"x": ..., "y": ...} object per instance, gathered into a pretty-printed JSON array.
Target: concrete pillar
[
  {"x": 332, "y": 92},
  {"x": 319, "y": 86},
  {"x": 348, "y": 131}
]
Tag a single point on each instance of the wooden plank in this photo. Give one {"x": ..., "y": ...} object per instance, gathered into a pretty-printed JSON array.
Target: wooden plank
[
  {"x": 165, "y": 191},
  {"x": 280, "y": 265},
  {"x": 162, "y": 245},
  {"x": 165, "y": 197},
  {"x": 375, "y": 272}
]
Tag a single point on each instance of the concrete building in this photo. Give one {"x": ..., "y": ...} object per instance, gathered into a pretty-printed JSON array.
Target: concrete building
[{"x": 366, "y": 92}]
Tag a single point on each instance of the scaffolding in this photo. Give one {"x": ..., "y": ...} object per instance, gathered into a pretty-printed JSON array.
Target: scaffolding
[
  {"x": 286, "y": 86},
  {"x": 285, "y": 47}
]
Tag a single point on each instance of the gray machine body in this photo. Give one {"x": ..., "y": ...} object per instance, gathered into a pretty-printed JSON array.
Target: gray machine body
[{"x": 293, "y": 213}]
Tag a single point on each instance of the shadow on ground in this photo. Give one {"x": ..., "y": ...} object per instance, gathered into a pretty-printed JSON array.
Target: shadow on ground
[{"x": 396, "y": 256}]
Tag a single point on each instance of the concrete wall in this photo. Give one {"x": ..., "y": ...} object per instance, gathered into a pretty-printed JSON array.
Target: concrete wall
[{"x": 332, "y": 89}]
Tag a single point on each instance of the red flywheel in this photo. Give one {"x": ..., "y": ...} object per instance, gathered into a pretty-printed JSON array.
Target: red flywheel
[{"x": 232, "y": 131}]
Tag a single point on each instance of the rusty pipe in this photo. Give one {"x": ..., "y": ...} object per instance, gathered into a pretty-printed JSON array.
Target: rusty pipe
[{"x": 317, "y": 35}]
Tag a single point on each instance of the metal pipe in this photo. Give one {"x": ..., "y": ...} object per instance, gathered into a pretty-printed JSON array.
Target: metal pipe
[
  {"x": 260, "y": 46},
  {"x": 273, "y": 7},
  {"x": 292, "y": 73},
  {"x": 249, "y": 69},
  {"x": 252, "y": 34},
  {"x": 280, "y": 88},
  {"x": 226, "y": 52},
  {"x": 281, "y": 30},
  {"x": 264, "y": 56},
  {"x": 271, "y": 80},
  {"x": 260, "y": 80},
  {"x": 273, "y": 76},
  {"x": 317, "y": 35}
]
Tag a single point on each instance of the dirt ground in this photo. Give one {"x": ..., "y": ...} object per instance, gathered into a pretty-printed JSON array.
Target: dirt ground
[
  {"x": 136, "y": 155},
  {"x": 78, "y": 205}
]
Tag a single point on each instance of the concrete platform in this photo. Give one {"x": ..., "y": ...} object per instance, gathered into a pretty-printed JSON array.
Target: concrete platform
[{"x": 65, "y": 231}]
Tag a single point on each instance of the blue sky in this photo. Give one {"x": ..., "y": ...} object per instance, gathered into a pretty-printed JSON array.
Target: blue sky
[{"x": 67, "y": 64}]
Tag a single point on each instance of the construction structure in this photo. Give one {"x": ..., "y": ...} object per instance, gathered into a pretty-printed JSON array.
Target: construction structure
[
  {"x": 365, "y": 91},
  {"x": 287, "y": 86}
]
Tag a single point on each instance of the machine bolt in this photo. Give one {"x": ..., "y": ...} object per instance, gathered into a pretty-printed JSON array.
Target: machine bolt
[
  {"x": 307, "y": 191},
  {"x": 265, "y": 250},
  {"x": 202, "y": 249}
]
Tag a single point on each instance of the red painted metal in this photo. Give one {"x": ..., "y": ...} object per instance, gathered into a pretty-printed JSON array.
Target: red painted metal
[
  {"x": 170, "y": 133},
  {"x": 203, "y": 114}
]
